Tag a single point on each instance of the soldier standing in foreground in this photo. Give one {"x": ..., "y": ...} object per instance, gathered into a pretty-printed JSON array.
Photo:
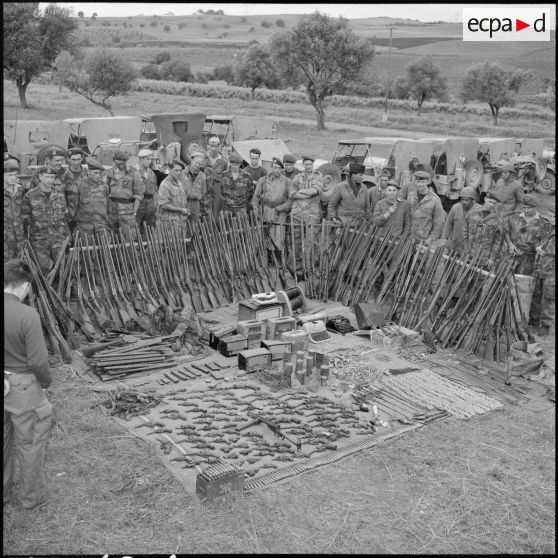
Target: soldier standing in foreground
[
  {"x": 393, "y": 213},
  {"x": 215, "y": 166},
  {"x": 235, "y": 189},
  {"x": 171, "y": 198},
  {"x": 455, "y": 222},
  {"x": 256, "y": 171},
  {"x": 349, "y": 202},
  {"x": 45, "y": 218},
  {"x": 508, "y": 189},
  {"x": 147, "y": 211},
  {"x": 195, "y": 186},
  {"x": 72, "y": 175},
  {"x": 13, "y": 198}
]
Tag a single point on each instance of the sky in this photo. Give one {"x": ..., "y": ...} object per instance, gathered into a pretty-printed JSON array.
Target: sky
[{"x": 420, "y": 11}]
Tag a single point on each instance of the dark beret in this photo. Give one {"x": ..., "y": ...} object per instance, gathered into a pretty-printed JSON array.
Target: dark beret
[
  {"x": 393, "y": 183},
  {"x": 369, "y": 178},
  {"x": 46, "y": 169},
  {"x": 277, "y": 161},
  {"x": 11, "y": 165},
  {"x": 94, "y": 164},
  {"x": 235, "y": 158},
  {"x": 178, "y": 162},
  {"x": 120, "y": 156},
  {"x": 355, "y": 168},
  {"x": 307, "y": 158},
  {"x": 75, "y": 151},
  {"x": 55, "y": 152},
  {"x": 288, "y": 158}
]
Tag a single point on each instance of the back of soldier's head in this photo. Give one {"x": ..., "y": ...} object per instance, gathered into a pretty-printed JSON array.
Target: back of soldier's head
[{"x": 16, "y": 273}]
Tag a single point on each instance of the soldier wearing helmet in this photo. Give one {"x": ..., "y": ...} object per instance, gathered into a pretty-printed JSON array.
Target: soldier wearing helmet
[
  {"x": 508, "y": 189},
  {"x": 455, "y": 222}
]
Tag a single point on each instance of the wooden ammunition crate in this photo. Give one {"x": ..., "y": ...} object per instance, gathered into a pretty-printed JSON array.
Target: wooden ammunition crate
[
  {"x": 219, "y": 488},
  {"x": 254, "y": 359},
  {"x": 278, "y": 348},
  {"x": 232, "y": 345},
  {"x": 406, "y": 338}
]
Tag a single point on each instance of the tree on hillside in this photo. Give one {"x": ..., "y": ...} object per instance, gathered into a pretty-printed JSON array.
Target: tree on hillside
[
  {"x": 494, "y": 84},
  {"x": 424, "y": 81},
  {"x": 225, "y": 73},
  {"x": 322, "y": 53},
  {"x": 97, "y": 77},
  {"x": 94, "y": 15},
  {"x": 176, "y": 70},
  {"x": 253, "y": 68},
  {"x": 32, "y": 40}
]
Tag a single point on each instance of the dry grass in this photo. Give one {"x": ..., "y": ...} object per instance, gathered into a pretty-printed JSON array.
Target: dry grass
[{"x": 480, "y": 486}]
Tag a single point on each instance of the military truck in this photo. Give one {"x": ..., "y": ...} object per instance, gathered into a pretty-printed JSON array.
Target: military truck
[{"x": 535, "y": 169}]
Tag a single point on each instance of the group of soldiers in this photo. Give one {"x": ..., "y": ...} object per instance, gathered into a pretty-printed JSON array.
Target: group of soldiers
[{"x": 92, "y": 199}]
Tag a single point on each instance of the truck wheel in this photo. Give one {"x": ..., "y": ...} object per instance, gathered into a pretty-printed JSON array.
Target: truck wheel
[
  {"x": 44, "y": 152},
  {"x": 473, "y": 174},
  {"x": 548, "y": 183}
]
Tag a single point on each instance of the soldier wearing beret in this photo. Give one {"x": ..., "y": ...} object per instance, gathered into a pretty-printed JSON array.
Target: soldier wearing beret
[
  {"x": 484, "y": 232},
  {"x": 147, "y": 210},
  {"x": 524, "y": 230},
  {"x": 391, "y": 212},
  {"x": 271, "y": 201},
  {"x": 256, "y": 171},
  {"x": 508, "y": 189},
  {"x": 171, "y": 197},
  {"x": 378, "y": 192},
  {"x": 126, "y": 191},
  {"x": 236, "y": 187},
  {"x": 289, "y": 165},
  {"x": 91, "y": 215},
  {"x": 215, "y": 166},
  {"x": 349, "y": 201},
  {"x": 195, "y": 185},
  {"x": 13, "y": 199},
  {"x": 45, "y": 218}
]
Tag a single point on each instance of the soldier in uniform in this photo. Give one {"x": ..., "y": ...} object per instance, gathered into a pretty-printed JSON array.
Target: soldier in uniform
[
  {"x": 331, "y": 176},
  {"x": 455, "y": 222},
  {"x": 55, "y": 158},
  {"x": 427, "y": 214},
  {"x": 524, "y": 230},
  {"x": 543, "y": 307},
  {"x": 392, "y": 213},
  {"x": 45, "y": 218},
  {"x": 508, "y": 189},
  {"x": 304, "y": 191},
  {"x": 349, "y": 202},
  {"x": 195, "y": 185},
  {"x": 420, "y": 175},
  {"x": 256, "y": 171},
  {"x": 71, "y": 176},
  {"x": 147, "y": 211},
  {"x": 236, "y": 187},
  {"x": 484, "y": 232},
  {"x": 215, "y": 166},
  {"x": 171, "y": 198},
  {"x": 271, "y": 201},
  {"x": 289, "y": 163},
  {"x": 126, "y": 191},
  {"x": 378, "y": 192},
  {"x": 91, "y": 215},
  {"x": 13, "y": 198}
]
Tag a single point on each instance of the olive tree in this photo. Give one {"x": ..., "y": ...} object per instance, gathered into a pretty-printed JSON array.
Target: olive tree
[
  {"x": 253, "y": 68},
  {"x": 97, "y": 77},
  {"x": 424, "y": 81},
  {"x": 322, "y": 53},
  {"x": 494, "y": 84}
]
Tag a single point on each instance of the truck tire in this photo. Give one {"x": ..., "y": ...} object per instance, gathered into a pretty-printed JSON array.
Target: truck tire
[
  {"x": 548, "y": 184},
  {"x": 44, "y": 152},
  {"x": 473, "y": 173}
]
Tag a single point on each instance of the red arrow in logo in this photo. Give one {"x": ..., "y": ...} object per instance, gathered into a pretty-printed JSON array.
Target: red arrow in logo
[{"x": 519, "y": 25}]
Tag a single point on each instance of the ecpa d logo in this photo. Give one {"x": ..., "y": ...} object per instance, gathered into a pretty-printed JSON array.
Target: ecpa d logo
[{"x": 506, "y": 24}]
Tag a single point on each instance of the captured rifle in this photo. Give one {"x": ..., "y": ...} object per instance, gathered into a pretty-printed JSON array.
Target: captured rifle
[
  {"x": 214, "y": 272},
  {"x": 274, "y": 427},
  {"x": 206, "y": 299},
  {"x": 103, "y": 276},
  {"x": 165, "y": 249},
  {"x": 218, "y": 247},
  {"x": 98, "y": 311},
  {"x": 85, "y": 319},
  {"x": 206, "y": 275}
]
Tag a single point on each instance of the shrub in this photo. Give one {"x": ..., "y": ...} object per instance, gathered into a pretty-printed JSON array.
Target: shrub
[
  {"x": 150, "y": 71},
  {"x": 106, "y": 24},
  {"x": 154, "y": 23},
  {"x": 167, "y": 28},
  {"x": 85, "y": 42},
  {"x": 176, "y": 70},
  {"x": 251, "y": 30},
  {"x": 115, "y": 39},
  {"x": 161, "y": 57},
  {"x": 280, "y": 23},
  {"x": 142, "y": 24},
  {"x": 265, "y": 24},
  {"x": 243, "y": 20},
  {"x": 182, "y": 25}
]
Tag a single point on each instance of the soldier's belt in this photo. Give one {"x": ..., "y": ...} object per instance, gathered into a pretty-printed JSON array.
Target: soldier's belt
[
  {"x": 272, "y": 203},
  {"x": 147, "y": 196},
  {"x": 122, "y": 200}
]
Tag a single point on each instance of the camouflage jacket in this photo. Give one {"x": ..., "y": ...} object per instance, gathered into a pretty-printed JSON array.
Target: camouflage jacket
[
  {"x": 196, "y": 190},
  {"x": 307, "y": 208},
  {"x": 526, "y": 236},
  {"x": 427, "y": 216},
  {"x": 69, "y": 180},
  {"x": 271, "y": 196},
  {"x": 13, "y": 225},
  {"x": 545, "y": 264},
  {"x": 484, "y": 232},
  {"x": 45, "y": 215},
  {"x": 213, "y": 180},
  {"x": 235, "y": 192},
  {"x": 92, "y": 204},
  {"x": 128, "y": 187}
]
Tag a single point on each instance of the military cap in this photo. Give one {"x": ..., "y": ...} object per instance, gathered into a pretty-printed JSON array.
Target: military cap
[
  {"x": 198, "y": 155},
  {"x": 355, "y": 168},
  {"x": 277, "y": 161},
  {"x": 145, "y": 153},
  {"x": 492, "y": 196},
  {"x": 368, "y": 178},
  {"x": 46, "y": 169},
  {"x": 507, "y": 167},
  {"x": 288, "y": 158},
  {"x": 235, "y": 158},
  {"x": 75, "y": 151},
  {"x": 177, "y": 162},
  {"x": 468, "y": 192},
  {"x": 530, "y": 201},
  {"x": 11, "y": 165},
  {"x": 93, "y": 164},
  {"x": 56, "y": 152},
  {"x": 120, "y": 156},
  {"x": 307, "y": 158},
  {"x": 422, "y": 174},
  {"x": 393, "y": 183},
  {"x": 8, "y": 155}
]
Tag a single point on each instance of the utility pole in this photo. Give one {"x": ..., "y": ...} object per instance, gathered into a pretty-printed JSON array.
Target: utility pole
[{"x": 388, "y": 81}]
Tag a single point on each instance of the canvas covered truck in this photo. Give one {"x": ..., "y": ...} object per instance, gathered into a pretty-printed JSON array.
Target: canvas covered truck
[
  {"x": 231, "y": 129},
  {"x": 491, "y": 152},
  {"x": 535, "y": 169}
]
